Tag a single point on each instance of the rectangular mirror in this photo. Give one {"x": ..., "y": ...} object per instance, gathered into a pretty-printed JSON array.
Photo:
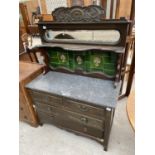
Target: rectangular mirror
[{"x": 108, "y": 37}]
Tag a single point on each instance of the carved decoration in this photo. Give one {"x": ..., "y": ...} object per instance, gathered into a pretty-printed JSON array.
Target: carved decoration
[{"x": 92, "y": 13}]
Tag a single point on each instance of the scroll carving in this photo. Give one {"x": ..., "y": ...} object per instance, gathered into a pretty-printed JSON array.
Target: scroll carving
[{"x": 92, "y": 13}]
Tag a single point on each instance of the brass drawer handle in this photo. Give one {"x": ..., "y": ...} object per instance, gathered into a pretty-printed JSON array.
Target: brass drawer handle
[
  {"x": 84, "y": 120},
  {"x": 50, "y": 108},
  {"x": 83, "y": 108},
  {"x": 52, "y": 116}
]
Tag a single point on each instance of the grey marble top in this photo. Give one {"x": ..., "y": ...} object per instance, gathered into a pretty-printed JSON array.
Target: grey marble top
[{"x": 96, "y": 91}]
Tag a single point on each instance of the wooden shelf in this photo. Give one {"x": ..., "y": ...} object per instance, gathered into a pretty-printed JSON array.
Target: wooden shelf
[{"x": 81, "y": 47}]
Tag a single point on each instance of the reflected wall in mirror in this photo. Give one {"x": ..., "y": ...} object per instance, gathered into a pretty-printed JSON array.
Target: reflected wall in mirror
[{"x": 109, "y": 37}]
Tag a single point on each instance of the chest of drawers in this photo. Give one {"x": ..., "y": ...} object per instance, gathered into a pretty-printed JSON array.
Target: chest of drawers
[
  {"x": 79, "y": 104},
  {"x": 27, "y": 72}
]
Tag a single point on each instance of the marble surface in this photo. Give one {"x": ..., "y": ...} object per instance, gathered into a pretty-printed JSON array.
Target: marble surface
[{"x": 96, "y": 91}]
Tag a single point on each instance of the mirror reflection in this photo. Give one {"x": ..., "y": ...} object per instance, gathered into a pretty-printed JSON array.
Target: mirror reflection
[{"x": 88, "y": 36}]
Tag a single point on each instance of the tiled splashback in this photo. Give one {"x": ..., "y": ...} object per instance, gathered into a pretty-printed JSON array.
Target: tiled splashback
[{"x": 88, "y": 61}]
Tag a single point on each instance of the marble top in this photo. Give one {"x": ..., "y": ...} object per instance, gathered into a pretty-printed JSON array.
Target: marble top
[{"x": 96, "y": 91}]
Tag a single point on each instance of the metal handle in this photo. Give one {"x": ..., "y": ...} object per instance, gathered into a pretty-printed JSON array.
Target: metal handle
[
  {"x": 83, "y": 119},
  {"x": 83, "y": 108},
  {"x": 50, "y": 108},
  {"x": 52, "y": 116}
]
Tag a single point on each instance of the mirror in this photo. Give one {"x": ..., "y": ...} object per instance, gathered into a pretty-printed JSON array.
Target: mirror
[{"x": 83, "y": 36}]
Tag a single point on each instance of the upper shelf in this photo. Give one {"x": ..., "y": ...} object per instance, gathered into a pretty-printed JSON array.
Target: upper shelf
[
  {"x": 55, "y": 32},
  {"x": 83, "y": 28},
  {"x": 80, "y": 47}
]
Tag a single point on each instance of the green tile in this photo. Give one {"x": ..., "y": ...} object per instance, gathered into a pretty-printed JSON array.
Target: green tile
[
  {"x": 54, "y": 59},
  {"x": 96, "y": 61},
  {"x": 110, "y": 66},
  {"x": 110, "y": 72},
  {"x": 89, "y": 61},
  {"x": 63, "y": 58}
]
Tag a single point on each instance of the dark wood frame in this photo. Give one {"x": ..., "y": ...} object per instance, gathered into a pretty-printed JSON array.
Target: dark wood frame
[{"x": 120, "y": 25}]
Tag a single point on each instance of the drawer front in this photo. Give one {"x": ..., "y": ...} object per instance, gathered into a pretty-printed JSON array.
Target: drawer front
[
  {"x": 47, "y": 108},
  {"x": 46, "y": 98},
  {"x": 49, "y": 118},
  {"x": 85, "y": 120},
  {"x": 69, "y": 124},
  {"x": 80, "y": 127},
  {"x": 70, "y": 120},
  {"x": 81, "y": 119},
  {"x": 84, "y": 108}
]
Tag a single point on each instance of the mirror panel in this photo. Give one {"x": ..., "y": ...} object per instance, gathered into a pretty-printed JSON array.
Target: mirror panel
[{"x": 88, "y": 36}]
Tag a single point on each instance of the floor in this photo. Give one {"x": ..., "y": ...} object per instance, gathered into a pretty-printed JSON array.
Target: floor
[{"x": 50, "y": 140}]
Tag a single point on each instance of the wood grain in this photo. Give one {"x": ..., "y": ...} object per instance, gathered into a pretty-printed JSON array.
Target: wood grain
[
  {"x": 131, "y": 108},
  {"x": 27, "y": 72},
  {"x": 125, "y": 8}
]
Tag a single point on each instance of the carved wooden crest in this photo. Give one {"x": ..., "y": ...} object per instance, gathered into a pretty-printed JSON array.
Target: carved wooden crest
[{"x": 92, "y": 13}]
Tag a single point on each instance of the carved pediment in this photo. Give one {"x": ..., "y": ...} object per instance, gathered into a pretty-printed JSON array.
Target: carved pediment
[{"x": 91, "y": 13}]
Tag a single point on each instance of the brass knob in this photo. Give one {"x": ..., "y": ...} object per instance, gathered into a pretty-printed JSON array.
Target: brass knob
[
  {"x": 83, "y": 119},
  {"x": 83, "y": 108},
  {"x": 50, "y": 108}
]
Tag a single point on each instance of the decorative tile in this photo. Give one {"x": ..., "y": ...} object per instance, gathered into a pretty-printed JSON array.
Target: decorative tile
[{"x": 88, "y": 61}]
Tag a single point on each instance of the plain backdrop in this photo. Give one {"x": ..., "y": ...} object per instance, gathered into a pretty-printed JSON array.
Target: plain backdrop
[{"x": 145, "y": 77}]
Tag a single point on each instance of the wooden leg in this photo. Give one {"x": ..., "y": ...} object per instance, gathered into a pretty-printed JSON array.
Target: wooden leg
[
  {"x": 105, "y": 148},
  {"x": 34, "y": 125},
  {"x": 108, "y": 124},
  {"x": 41, "y": 124}
]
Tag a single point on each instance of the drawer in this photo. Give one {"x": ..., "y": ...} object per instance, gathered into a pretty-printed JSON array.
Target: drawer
[
  {"x": 49, "y": 118},
  {"x": 85, "y": 120},
  {"x": 83, "y": 108},
  {"x": 46, "y": 98},
  {"x": 71, "y": 116},
  {"x": 46, "y": 108},
  {"x": 64, "y": 121},
  {"x": 82, "y": 119},
  {"x": 80, "y": 127}
]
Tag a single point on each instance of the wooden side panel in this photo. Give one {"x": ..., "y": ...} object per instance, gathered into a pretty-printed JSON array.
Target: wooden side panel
[
  {"x": 28, "y": 71},
  {"x": 24, "y": 57},
  {"x": 32, "y": 5},
  {"x": 43, "y": 6},
  {"x": 125, "y": 8},
  {"x": 26, "y": 111}
]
